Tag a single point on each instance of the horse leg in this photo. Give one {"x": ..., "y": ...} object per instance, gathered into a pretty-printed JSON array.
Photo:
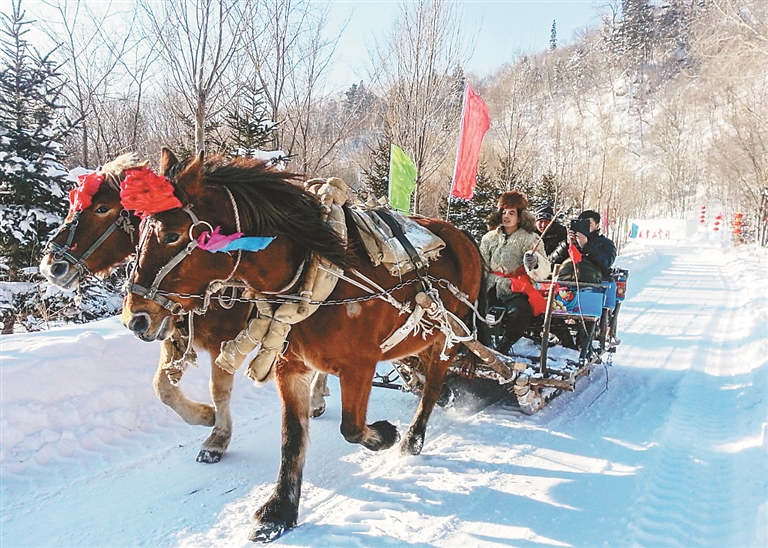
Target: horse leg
[
  {"x": 435, "y": 370},
  {"x": 355, "y": 382},
  {"x": 281, "y": 511},
  {"x": 191, "y": 411},
  {"x": 319, "y": 392},
  {"x": 221, "y": 393}
]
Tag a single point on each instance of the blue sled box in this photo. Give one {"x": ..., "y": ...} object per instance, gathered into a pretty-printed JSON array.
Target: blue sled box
[{"x": 588, "y": 300}]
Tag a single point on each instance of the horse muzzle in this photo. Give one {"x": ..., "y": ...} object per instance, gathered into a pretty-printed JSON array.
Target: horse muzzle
[
  {"x": 145, "y": 327},
  {"x": 59, "y": 272}
]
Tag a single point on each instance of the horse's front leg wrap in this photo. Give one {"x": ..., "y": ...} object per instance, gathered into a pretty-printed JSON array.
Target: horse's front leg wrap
[
  {"x": 272, "y": 346},
  {"x": 174, "y": 359},
  {"x": 233, "y": 353}
]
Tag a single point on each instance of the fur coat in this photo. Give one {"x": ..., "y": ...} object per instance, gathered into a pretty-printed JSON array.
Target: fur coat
[{"x": 504, "y": 253}]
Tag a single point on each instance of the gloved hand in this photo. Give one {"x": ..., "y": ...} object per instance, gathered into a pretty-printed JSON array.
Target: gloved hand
[{"x": 530, "y": 260}]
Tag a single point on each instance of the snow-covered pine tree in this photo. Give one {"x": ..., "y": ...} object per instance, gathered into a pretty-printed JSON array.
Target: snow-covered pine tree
[
  {"x": 637, "y": 32},
  {"x": 32, "y": 181}
]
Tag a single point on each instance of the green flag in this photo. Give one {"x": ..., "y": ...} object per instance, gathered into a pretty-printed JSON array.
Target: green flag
[{"x": 402, "y": 179}]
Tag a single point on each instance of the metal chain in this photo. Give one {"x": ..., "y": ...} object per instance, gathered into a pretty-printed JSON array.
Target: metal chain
[{"x": 296, "y": 298}]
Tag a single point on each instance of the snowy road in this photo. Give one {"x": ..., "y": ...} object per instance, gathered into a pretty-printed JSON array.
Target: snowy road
[{"x": 667, "y": 447}]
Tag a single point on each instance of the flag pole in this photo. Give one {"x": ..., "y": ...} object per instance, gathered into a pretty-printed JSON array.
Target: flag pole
[{"x": 458, "y": 146}]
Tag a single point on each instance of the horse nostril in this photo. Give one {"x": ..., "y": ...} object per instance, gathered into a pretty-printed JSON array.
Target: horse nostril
[
  {"x": 59, "y": 268},
  {"x": 139, "y": 323}
]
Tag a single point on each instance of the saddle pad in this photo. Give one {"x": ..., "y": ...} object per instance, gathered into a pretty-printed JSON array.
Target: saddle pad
[{"x": 384, "y": 248}]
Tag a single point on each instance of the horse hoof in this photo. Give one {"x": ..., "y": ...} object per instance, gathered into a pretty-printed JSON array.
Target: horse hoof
[
  {"x": 317, "y": 411},
  {"x": 266, "y": 532},
  {"x": 412, "y": 445},
  {"x": 209, "y": 456},
  {"x": 386, "y": 436}
]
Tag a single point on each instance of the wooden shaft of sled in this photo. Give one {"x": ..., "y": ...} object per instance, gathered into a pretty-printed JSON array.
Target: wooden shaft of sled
[
  {"x": 475, "y": 346},
  {"x": 560, "y": 384},
  {"x": 483, "y": 352},
  {"x": 548, "y": 322},
  {"x": 489, "y": 358}
]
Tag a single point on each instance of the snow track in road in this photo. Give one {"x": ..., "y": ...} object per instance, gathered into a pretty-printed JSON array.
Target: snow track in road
[{"x": 689, "y": 491}]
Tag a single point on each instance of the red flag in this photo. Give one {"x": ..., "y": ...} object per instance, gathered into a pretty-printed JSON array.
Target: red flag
[
  {"x": 574, "y": 254},
  {"x": 474, "y": 123}
]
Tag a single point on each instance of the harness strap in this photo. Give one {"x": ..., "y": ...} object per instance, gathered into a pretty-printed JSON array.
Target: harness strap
[
  {"x": 173, "y": 307},
  {"x": 122, "y": 221},
  {"x": 151, "y": 293},
  {"x": 397, "y": 232},
  {"x": 383, "y": 294}
]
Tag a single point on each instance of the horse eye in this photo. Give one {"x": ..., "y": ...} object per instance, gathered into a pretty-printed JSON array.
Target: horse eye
[
  {"x": 171, "y": 238},
  {"x": 102, "y": 209}
]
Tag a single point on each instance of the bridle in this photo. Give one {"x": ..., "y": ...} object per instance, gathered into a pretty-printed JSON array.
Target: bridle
[
  {"x": 59, "y": 252},
  {"x": 160, "y": 297},
  {"x": 153, "y": 292}
]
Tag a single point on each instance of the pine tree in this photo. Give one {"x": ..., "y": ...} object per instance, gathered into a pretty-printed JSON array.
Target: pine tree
[
  {"x": 637, "y": 31},
  {"x": 470, "y": 215},
  {"x": 553, "y": 36},
  {"x": 358, "y": 101},
  {"x": 251, "y": 127},
  {"x": 377, "y": 174},
  {"x": 32, "y": 188},
  {"x": 545, "y": 191}
]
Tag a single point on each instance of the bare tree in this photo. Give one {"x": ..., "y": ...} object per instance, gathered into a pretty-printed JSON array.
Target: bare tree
[
  {"x": 198, "y": 40},
  {"x": 290, "y": 54},
  {"x": 94, "y": 51},
  {"x": 417, "y": 71},
  {"x": 514, "y": 105}
]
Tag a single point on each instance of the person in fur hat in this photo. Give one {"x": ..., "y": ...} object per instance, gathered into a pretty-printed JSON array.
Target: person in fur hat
[{"x": 511, "y": 266}]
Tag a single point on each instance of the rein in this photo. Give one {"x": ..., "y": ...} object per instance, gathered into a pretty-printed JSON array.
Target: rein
[{"x": 64, "y": 252}]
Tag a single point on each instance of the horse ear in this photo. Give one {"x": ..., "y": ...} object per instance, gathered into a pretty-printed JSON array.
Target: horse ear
[
  {"x": 191, "y": 177},
  {"x": 167, "y": 160}
]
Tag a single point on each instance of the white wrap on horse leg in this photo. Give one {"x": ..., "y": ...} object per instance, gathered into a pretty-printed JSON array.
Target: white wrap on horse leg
[
  {"x": 233, "y": 353},
  {"x": 318, "y": 284}
]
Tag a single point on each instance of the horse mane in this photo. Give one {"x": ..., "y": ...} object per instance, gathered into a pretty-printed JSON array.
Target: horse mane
[
  {"x": 269, "y": 200},
  {"x": 114, "y": 171}
]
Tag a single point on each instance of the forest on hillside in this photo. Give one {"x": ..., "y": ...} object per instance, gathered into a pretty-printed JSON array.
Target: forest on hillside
[{"x": 660, "y": 109}]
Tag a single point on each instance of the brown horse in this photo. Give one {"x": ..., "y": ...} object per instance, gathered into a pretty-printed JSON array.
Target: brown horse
[
  {"x": 102, "y": 235},
  {"x": 342, "y": 338}
]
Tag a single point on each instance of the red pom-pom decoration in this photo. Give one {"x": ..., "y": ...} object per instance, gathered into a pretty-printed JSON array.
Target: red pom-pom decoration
[
  {"x": 81, "y": 196},
  {"x": 146, "y": 192}
]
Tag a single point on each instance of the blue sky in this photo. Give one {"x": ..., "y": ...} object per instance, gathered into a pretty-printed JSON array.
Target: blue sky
[{"x": 502, "y": 30}]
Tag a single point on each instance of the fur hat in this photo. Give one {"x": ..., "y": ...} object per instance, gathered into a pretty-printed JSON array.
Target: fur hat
[{"x": 513, "y": 199}]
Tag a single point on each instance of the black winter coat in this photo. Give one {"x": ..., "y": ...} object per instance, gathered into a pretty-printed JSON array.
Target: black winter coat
[
  {"x": 556, "y": 234},
  {"x": 598, "y": 250}
]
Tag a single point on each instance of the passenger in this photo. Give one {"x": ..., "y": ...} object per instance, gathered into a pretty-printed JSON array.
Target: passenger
[
  {"x": 511, "y": 264},
  {"x": 597, "y": 252},
  {"x": 554, "y": 235}
]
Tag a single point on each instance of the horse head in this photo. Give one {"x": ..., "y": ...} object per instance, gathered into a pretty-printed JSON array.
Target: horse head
[
  {"x": 98, "y": 233},
  {"x": 203, "y": 198}
]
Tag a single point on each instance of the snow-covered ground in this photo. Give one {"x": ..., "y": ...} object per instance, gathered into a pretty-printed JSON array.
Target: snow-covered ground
[{"x": 666, "y": 447}]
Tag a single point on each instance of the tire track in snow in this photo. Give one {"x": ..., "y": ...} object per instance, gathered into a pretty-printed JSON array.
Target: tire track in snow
[{"x": 680, "y": 500}]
